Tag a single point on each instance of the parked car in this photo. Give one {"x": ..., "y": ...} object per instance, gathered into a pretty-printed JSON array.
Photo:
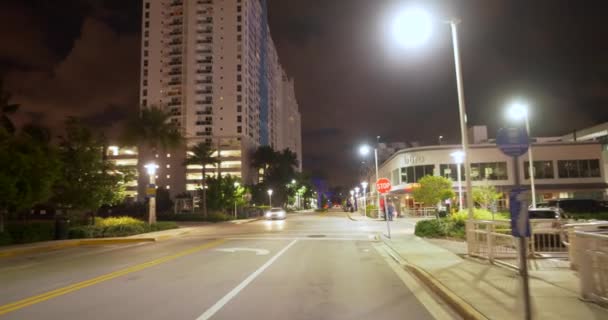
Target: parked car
[
  {"x": 275, "y": 213},
  {"x": 577, "y": 205}
]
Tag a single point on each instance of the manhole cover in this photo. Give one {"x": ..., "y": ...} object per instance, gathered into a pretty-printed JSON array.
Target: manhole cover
[{"x": 316, "y": 236}]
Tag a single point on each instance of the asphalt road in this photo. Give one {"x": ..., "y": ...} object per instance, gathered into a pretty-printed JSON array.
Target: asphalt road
[{"x": 309, "y": 266}]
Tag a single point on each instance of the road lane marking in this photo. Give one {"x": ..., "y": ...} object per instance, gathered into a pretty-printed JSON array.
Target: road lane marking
[
  {"x": 112, "y": 275},
  {"x": 437, "y": 310},
  {"x": 230, "y": 295},
  {"x": 258, "y": 252}
]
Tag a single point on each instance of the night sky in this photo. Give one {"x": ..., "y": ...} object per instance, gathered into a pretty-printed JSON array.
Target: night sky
[{"x": 69, "y": 57}]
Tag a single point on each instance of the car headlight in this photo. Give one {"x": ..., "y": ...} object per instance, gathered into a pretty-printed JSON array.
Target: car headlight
[{"x": 281, "y": 214}]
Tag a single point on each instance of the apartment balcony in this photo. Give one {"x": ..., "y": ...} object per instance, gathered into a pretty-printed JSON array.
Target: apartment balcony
[
  {"x": 204, "y": 71},
  {"x": 204, "y": 81},
  {"x": 175, "y": 23},
  {"x": 204, "y": 41},
  {"x": 173, "y": 53},
  {"x": 174, "y": 83},
  {"x": 174, "y": 33},
  {"x": 203, "y": 91},
  {"x": 174, "y": 62},
  {"x": 204, "y": 51},
  {"x": 173, "y": 4},
  {"x": 203, "y": 123},
  {"x": 206, "y": 60},
  {"x": 205, "y": 20},
  {"x": 208, "y": 30},
  {"x": 173, "y": 93},
  {"x": 204, "y": 113},
  {"x": 203, "y": 133},
  {"x": 206, "y": 2}
]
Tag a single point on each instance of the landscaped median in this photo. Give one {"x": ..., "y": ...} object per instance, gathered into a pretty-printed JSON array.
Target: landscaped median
[{"x": 453, "y": 226}]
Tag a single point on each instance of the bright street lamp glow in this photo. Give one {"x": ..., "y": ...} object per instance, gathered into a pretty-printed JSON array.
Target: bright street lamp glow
[
  {"x": 364, "y": 150},
  {"x": 293, "y": 181},
  {"x": 236, "y": 184},
  {"x": 269, "y": 192},
  {"x": 458, "y": 156},
  {"x": 357, "y": 190},
  {"x": 364, "y": 185},
  {"x": 151, "y": 168},
  {"x": 412, "y": 27},
  {"x": 517, "y": 110},
  {"x": 352, "y": 192}
]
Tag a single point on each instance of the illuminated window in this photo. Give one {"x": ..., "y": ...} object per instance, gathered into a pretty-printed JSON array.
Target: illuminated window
[
  {"x": 168, "y": 155},
  {"x": 168, "y": 166},
  {"x": 168, "y": 187},
  {"x": 168, "y": 176}
]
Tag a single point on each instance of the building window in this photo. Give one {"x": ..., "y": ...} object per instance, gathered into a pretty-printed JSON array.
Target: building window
[
  {"x": 239, "y": 18},
  {"x": 239, "y": 108},
  {"x": 489, "y": 171},
  {"x": 239, "y": 38},
  {"x": 145, "y": 62},
  {"x": 144, "y": 92},
  {"x": 146, "y": 33},
  {"x": 415, "y": 173},
  {"x": 239, "y": 119},
  {"x": 145, "y": 53},
  {"x": 239, "y": 98},
  {"x": 168, "y": 166},
  {"x": 168, "y": 176},
  {"x": 238, "y": 8},
  {"x": 147, "y": 15},
  {"x": 239, "y": 78},
  {"x": 168, "y": 187},
  {"x": 239, "y": 88},
  {"x": 578, "y": 168},
  {"x": 239, "y": 129},
  {"x": 168, "y": 155},
  {"x": 239, "y": 67},
  {"x": 239, "y": 28},
  {"x": 147, "y": 5},
  {"x": 450, "y": 171},
  {"x": 541, "y": 169},
  {"x": 147, "y": 24}
]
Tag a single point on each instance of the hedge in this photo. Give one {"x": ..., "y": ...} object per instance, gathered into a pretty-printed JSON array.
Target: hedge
[
  {"x": 211, "y": 217},
  {"x": 26, "y": 232},
  {"x": 117, "y": 227}
]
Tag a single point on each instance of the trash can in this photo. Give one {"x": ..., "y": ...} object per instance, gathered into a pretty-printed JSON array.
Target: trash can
[{"x": 62, "y": 226}]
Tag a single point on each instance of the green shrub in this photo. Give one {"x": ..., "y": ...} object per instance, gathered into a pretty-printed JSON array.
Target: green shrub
[
  {"x": 163, "y": 225},
  {"x": 31, "y": 231},
  {"x": 478, "y": 214},
  {"x": 123, "y": 230},
  {"x": 117, "y": 221},
  {"x": 5, "y": 238},
  {"x": 84, "y": 232},
  {"x": 434, "y": 228},
  {"x": 211, "y": 217}
]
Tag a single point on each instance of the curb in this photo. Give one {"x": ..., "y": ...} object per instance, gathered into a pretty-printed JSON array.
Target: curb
[
  {"x": 463, "y": 308},
  {"x": 243, "y": 221},
  {"x": 84, "y": 242}
]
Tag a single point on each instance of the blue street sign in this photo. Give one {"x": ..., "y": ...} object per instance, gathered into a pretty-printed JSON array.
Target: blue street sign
[
  {"x": 518, "y": 206},
  {"x": 512, "y": 141}
]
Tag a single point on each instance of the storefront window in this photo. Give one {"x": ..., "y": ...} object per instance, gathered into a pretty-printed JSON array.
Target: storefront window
[
  {"x": 450, "y": 171},
  {"x": 489, "y": 171},
  {"x": 578, "y": 168},
  {"x": 415, "y": 173},
  {"x": 542, "y": 170}
]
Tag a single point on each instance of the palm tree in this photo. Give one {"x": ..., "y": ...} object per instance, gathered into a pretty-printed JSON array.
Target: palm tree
[
  {"x": 6, "y": 109},
  {"x": 153, "y": 129},
  {"x": 200, "y": 154},
  {"x": 264, "y": 158}
]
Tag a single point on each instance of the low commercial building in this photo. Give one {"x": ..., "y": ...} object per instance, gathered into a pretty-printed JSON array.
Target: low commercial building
[{"x": 563, "y": 168}]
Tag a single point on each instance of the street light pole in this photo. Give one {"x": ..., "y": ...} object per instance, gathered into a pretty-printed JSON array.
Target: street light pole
[
  {"x": 364, "y": 185},
  {"x": 151, "y": 169},
  {"x": 270, "y": 198},
  {"x": 531, "y": 162},
  {"x": 458, "y": 156},
  {"x": 462, "y": 117},
  {"x": 377, "y": 193},
  {"x": 236, "y": 186}
]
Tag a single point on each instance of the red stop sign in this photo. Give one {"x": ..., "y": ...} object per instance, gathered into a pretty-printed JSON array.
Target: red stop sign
[{"x": 383, "y": 185}]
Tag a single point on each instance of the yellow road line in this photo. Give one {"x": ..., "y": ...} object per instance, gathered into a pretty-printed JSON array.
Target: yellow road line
[{"x": 87, "y": 283}]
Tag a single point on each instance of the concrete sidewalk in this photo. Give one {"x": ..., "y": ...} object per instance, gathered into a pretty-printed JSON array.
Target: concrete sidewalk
[{"x": 480, "y": 290}]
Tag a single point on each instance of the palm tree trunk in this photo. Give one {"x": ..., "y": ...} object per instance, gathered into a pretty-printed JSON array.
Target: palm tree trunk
[{"x": 204, "y": 191}]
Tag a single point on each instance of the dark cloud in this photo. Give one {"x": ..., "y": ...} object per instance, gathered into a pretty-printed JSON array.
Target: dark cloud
[{"x": 81, "y": 57}]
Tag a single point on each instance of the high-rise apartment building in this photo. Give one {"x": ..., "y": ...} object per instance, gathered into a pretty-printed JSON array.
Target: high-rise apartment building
[{"x": 213, "y": 65}]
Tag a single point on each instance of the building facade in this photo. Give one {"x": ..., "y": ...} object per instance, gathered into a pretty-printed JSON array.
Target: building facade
[
  {"x": 562, "y": 169},
  {"x": 212, "y": 64}
]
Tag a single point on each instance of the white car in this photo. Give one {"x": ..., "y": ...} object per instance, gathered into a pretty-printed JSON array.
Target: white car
[{"x": 275, "y": 213}]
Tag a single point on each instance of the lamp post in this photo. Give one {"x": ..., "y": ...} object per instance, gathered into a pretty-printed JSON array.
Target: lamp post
[
  {"x": 236, "y": 187},
  {"x": 518, "y": 111},
  {"x": 458, "y": 156},
  {"x": 364, "y": 150},
  {"x": 352, "y": 197},
  {"x": 151, "y": 191},
  {"x": 413, "y": 27},
  {"x": 357, "y": 199},
  {"x": 270, "y": 198},
  {"x": 364, "y": 186}
]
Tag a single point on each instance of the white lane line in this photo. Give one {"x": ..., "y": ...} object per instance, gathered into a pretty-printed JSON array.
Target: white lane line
[
  {"x": 218, "y": 305},
  {"x": 436, "y": 309}
]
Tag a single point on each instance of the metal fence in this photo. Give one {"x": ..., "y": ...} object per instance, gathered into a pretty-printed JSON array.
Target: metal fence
[
  {"x": 593, "y": 265},
  {"x": 426, "y": 212},
  {"x": 492, "y": 240}
]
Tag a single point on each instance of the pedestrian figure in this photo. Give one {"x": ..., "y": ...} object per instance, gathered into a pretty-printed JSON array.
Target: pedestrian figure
[{"x": 391, "y": 211}]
